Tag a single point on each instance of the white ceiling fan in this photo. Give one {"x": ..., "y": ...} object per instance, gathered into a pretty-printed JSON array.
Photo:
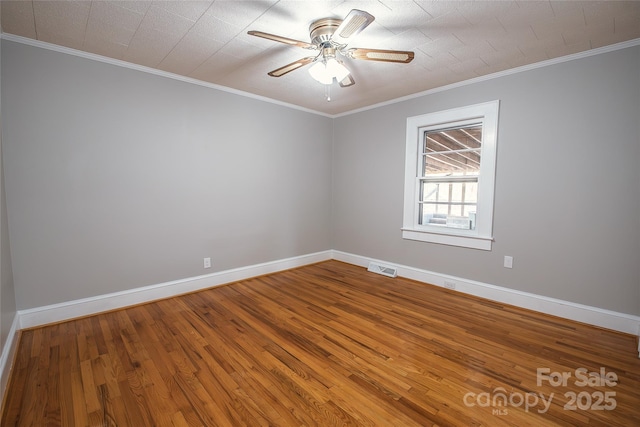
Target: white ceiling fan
[{"x": 330, "y": 37}]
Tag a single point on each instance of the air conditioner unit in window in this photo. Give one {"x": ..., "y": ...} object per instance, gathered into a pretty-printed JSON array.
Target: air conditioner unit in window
[{"x": 459, "y": 222}]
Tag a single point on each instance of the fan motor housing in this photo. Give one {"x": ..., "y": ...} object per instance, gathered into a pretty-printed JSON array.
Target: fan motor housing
[{"x": 320, "y": 31}]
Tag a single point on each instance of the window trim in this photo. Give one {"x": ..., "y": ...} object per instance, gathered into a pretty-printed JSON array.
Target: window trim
[{"x": 482, "y": 236}]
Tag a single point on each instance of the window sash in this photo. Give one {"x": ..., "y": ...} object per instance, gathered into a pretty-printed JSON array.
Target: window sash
[{"x": 459, "y": 201}]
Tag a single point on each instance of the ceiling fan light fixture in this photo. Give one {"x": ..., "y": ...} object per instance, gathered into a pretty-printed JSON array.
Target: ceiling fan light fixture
[
  {"x": 336, "y": 69},
  {"x": 319, "y": 72},
  {"x": 330, "y": 37},
  {"x": 325, "y": 71}
]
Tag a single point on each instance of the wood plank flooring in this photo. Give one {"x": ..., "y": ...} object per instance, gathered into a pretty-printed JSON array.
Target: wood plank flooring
[{"x": 325, "y": 345}]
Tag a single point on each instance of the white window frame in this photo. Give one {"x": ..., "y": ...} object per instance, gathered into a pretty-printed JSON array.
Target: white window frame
[{"x": 482, "y": 236}]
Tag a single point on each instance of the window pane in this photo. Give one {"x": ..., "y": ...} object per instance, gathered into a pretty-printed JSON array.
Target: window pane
[
  {"x": 449, "y": 192},
  {"x": 451, "y": 216},
  {"x": 465, "y": 163},
  {"x": 462, "y": 138},
  {"x": 454, "y": 151},
  {"x": 448, "y": 204}
]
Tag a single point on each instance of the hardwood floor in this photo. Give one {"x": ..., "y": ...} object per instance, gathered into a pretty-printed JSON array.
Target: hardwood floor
[{"x": 324, "y": 345}]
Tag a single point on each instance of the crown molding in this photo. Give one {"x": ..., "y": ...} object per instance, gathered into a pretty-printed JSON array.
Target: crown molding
[
  {"x": 149, "y": 70},
  {"x": 142, "y": 68},
  {"x": 509, "y": 72}
]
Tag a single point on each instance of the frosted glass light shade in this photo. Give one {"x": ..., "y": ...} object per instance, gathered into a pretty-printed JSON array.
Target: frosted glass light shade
[
  {"x": 326, "y": 72},
  {"x": 319, "y": 72}
]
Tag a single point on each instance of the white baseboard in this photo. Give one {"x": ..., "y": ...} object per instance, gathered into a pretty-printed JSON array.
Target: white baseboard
[
  {"x": 83, "y": 307},
  {"x": 608, "y": 319},
  {"x": 59, "y": 312},
  {"x": 8, "y": 353}
]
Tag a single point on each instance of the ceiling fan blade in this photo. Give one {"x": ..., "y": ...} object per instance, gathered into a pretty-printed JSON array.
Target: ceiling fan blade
[
  {"x": 380, "y": 55},
  {"x": 281, "y": 39},
  {"x": 355, "y": 21},
  {"x": 291, "y": 67},
  {"x": 347, "y": 81}
]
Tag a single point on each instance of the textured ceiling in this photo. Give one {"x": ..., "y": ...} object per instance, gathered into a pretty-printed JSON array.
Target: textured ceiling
[{"x": 207, "y": 40}]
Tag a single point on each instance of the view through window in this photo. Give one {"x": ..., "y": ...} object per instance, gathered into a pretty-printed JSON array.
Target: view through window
[{"x": 449, "y": 183}]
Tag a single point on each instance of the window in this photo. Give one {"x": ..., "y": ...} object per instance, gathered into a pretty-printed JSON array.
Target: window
[{"x": 449, "y": 176}]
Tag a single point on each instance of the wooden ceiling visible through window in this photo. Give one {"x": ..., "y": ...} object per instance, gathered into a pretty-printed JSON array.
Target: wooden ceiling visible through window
[{"x": 453, "y": 151}]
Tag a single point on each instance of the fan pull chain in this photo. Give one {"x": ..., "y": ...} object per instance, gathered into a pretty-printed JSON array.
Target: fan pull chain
[{"x": 327, "y": 92}]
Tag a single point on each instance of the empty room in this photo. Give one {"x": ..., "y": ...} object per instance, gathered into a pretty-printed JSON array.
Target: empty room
[{"x": 320, "y": 213}]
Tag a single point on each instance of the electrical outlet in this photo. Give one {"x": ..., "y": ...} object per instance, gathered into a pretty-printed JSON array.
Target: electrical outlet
[
  {"x": 207, "y": 263},
  {"x": 508, "y": 261},
  {"x": 449, "y": 284}
]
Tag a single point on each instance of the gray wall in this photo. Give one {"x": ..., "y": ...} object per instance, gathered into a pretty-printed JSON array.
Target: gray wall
[
  {"x": 7, "y": 295},
  {"x": 7, "y": 292},
  {"x": 567, "y": 201},
  {"x": 118, "y": 179}
]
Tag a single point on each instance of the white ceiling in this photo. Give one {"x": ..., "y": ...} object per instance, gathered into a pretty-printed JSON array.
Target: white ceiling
[{"x": 453, "y": 41}]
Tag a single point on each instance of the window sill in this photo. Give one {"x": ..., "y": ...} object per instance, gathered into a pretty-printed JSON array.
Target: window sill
[{"x": 471, "y": 242}]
